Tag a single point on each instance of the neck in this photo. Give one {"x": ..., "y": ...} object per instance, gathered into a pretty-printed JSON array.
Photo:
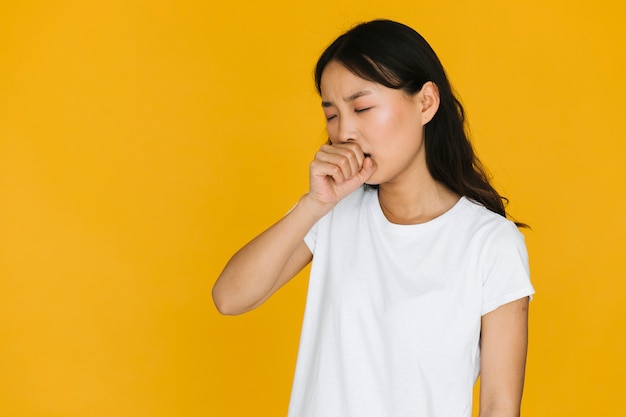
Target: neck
[{"x": 414, "y": 203}]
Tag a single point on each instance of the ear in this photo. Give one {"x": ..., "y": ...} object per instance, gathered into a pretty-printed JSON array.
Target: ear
[{"x": 428, "y": 97}]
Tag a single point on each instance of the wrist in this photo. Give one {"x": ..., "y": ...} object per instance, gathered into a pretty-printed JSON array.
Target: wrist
[{"x": 314, "y": 207}]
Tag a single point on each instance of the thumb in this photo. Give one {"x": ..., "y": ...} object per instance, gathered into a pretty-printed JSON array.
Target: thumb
[{"x": 368, "y": 168}]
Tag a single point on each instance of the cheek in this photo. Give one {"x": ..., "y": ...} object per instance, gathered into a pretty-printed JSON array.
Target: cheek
[
  {"x": 384, "y": 122},
  {"x": 398, "y": 116},
  {"x": 405, "y": 122}
]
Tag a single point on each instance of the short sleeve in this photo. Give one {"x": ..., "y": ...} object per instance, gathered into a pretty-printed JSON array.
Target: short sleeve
[
  {"x": 311, "y": 238},
  {"x": 505, "y": 267}
]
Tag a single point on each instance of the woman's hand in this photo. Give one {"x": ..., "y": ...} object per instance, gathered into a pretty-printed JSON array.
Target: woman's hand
[{"x": 337, "y": 171}]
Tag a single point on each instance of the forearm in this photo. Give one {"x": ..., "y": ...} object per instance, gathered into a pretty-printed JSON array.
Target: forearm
[
  {"x": 499, "y": 412},
  {"x": 258, "y": 269}
]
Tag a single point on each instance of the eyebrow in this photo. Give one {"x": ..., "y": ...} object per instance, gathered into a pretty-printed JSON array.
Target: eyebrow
[{"x": 349, "y": 98}]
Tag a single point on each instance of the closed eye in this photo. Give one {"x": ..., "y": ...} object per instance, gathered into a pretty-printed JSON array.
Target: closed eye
[
  {"x": 362, "y": 110},
  {"x": 329, "y": 118}
]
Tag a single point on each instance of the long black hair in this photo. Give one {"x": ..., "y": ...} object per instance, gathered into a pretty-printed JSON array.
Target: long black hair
[{"x": 396, "y": 56}]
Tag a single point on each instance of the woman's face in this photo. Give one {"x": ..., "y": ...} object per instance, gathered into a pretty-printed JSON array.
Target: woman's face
[{"x": 386, "y": 123}]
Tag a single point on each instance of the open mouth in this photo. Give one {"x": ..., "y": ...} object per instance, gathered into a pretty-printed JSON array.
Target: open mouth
[{"x": 367, "y": 155}]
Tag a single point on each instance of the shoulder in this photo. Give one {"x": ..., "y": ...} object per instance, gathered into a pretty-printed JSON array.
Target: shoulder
[
  {"x": 502, "y": 245},
  {"x": 487, "y": 221},
  {"x": 493, "y": 235}
]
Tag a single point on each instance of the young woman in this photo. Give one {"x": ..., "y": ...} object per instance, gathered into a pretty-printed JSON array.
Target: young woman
[{"x": 418, "y": 282}]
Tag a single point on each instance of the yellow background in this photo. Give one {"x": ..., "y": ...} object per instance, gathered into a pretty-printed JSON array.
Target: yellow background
[{"x": 142, "y": 143}]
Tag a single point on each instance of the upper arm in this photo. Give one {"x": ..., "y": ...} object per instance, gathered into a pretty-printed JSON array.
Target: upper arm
[
  {"x": 504, "y": 342},
  {"x": 300, "y": 258}
]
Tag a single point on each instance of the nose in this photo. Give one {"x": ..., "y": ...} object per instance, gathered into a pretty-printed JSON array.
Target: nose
[{"x": 345, "y": 130}]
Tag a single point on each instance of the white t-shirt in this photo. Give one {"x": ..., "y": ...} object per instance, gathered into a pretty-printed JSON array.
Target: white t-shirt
[{"x": 392, "y": 320}]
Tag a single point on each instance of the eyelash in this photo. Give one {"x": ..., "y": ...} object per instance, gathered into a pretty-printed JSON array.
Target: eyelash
[{"x": 328, "y": 119}]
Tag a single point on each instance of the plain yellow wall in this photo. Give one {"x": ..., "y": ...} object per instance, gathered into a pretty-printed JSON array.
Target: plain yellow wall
[{"x": 142, "y": 143}]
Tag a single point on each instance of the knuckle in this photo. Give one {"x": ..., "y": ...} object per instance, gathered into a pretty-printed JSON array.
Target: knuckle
[{"x": 321, "y": 155}]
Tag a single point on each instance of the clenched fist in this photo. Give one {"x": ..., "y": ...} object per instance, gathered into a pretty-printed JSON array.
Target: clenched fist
[{"x": 337, "y": 171}]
